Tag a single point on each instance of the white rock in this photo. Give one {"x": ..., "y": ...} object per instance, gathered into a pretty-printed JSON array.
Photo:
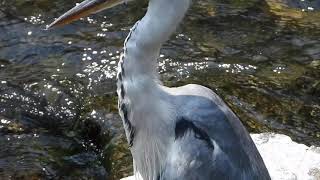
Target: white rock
[
  {"x": 284, "y": 158},
  {"x": 128, "y": 178},
  {"x": 288, "y": 160}
]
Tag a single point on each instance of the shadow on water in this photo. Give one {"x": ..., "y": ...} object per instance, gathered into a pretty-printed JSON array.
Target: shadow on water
[{"x": 58, "y": 112}]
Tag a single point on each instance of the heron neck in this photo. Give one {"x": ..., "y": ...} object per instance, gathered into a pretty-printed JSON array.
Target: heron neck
[
  {"x": 138, "y": 89},
  {"x": 143, "y": 44}
]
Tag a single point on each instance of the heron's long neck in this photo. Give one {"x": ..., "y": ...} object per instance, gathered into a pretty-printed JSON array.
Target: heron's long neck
[
  {"x": 146, "y": 37},
  {"x": 145, "y": 115}
]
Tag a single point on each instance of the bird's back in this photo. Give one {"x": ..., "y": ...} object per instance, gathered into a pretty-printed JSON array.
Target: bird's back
[{"x": 210, "y": 142}]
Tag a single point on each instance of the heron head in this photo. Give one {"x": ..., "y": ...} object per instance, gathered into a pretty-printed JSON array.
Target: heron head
[{"x": 83, "y": 9}]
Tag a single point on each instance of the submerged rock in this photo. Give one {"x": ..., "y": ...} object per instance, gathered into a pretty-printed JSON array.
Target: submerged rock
[{"x": 260, "y": 58}]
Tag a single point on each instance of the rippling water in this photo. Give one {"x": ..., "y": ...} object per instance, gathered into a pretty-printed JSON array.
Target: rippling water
[{"x": 58, "y": 112}]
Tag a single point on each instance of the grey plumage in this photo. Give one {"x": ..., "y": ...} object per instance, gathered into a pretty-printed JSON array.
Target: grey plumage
[
  {"x": 234, "y": 155},
  {"x": 184, "y": 133}
]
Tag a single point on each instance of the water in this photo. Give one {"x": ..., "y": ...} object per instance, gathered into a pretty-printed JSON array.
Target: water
[{"x": 58, "y": 112}]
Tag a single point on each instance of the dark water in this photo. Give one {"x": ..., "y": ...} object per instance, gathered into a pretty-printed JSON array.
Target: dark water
[{"x": 58, "y": 112}]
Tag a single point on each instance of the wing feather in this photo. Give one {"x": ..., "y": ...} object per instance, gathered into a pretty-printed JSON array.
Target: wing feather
[{"x": 211, "y": 143}]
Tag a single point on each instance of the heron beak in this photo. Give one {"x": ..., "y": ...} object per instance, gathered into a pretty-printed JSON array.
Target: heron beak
[{"x": 84, "y": 9}]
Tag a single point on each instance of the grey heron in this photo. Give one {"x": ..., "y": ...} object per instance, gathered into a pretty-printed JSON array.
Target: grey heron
[{"x": 180, "y": 133}]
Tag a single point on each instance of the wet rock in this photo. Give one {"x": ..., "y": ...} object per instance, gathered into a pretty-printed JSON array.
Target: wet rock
[
  {"x": 230, "y": 51},
  {"x": 41, "y": 156},
  {"x": 315, "y": 64},
  {"x": 213, "y": 65},
  {"x": 302, "y": 59},
  {"x": 313, "y": 51},
  {"x": 259, "y": 58},
  {"x": 298, "y": 12},
  {"x": 297, "y": 3},
  {"x": 302, "y": 41}
]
